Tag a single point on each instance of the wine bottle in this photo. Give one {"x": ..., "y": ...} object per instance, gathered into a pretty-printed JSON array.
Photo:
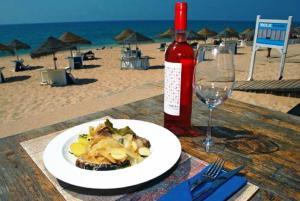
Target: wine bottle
[{"x": 179, "y": 69}]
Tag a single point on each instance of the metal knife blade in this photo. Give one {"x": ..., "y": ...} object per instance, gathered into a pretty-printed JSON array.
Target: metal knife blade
[{"x": 216, "y": 184}]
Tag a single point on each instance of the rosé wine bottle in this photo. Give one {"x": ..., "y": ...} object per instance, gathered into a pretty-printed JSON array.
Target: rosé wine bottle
[{"x": 179, "y": 70}]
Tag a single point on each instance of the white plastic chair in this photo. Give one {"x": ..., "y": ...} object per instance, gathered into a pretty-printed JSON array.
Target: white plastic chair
[{"x": 57, "y": 77}]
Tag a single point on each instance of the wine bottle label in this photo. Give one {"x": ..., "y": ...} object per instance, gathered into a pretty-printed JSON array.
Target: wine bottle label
[{"x": 172, "y": 88}]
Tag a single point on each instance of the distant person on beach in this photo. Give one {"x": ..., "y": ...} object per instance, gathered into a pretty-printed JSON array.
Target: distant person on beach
[
  {"x": 269, "y": 52},
  {"x": 138, "y": 52}
]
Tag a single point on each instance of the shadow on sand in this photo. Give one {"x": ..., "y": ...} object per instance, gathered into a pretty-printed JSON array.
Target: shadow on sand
[
  {"x": 90, "y": 66},
  {"x": 16, "y": 78},
  {"x": 35, "y": 67},
  {"x": 156, "y": 67},
  {"x": 84, "y": 81}
]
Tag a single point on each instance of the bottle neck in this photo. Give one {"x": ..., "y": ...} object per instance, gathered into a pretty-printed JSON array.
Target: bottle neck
[{"x": 180, "y": 36}]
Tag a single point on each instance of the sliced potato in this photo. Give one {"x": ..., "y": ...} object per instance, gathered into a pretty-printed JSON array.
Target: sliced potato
[
  {"x": 134, "y": 146},
  {"x": 131, "y": 153},
  {"x": 106, "y": 143},
  {"x": 127, "y": 143},
  {"x": 139, "y": 159},
  {"x": 118, "y": 154},
  {"x": 106, "y": 154},
  {"x": 144, "y": 151},
  {"x": 113, "y": 147},
  {"x": 83, "y": 141},
  {"x": 128, "y": 137},
  {"x": 78, "y": 149}
]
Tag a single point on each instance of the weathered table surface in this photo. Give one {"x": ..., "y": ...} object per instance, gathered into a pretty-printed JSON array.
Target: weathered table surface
[{"x": 266, "y": 142}]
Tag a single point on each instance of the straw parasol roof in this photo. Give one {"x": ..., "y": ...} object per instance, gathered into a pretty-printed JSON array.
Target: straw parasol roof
[
  {"x": 192, "y": 35},
  {"x": 50, "y": 46},
  {"x": 247, "y": 34},
  {"x": 6, "y": 48},
  {"x": 72, "y": 39},
  {"x": 18, "y": 45},
  {"x": 169, "y": 33},
  {"x": 206, "y": 32},
  {"x": 228, "y": 33},
  {"x": 136, "y": 38},
  {"x": 124, "y": 34}
]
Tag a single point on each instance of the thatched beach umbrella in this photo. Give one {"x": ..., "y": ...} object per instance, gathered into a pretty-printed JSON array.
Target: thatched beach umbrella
[
  {"x": 169, "y": 33},
  {"x": 206, "y": 33},
  {"x": 73, "y": 39},
  {"x": 50, "y": 46},
  {"x": 5, "y": 48},
  {"x": 247, "y": 34},
  {"x": 228, "y": 33},
  {"x": 192, "y": 35},
  {"x": 124, "y": 34},
  {"x": 136, "y": 38},
  {"x": 18, "y": 45}
]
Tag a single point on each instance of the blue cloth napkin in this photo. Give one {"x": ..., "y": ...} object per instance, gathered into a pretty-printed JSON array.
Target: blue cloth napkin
[{"x": 181, "y": 192}]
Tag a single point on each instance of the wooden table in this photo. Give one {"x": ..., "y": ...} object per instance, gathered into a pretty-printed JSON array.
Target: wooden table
[{"x": 266, "y": 142}]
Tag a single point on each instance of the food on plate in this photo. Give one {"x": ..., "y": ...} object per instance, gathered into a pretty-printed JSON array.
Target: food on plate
[{"x": 109, "y": 148}]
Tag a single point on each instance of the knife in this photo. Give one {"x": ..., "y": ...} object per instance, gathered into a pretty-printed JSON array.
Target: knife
[{"x": 201, "y": 195}]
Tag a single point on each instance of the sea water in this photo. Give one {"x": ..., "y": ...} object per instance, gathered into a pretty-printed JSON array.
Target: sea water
[{"x": 103, "y": 33}]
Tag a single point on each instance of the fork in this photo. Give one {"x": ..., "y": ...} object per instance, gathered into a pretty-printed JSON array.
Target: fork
[{"x": 212, "y": 172}]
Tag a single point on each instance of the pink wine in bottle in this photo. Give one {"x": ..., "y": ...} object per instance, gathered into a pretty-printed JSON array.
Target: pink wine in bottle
[{"x": 179, "y": 70}]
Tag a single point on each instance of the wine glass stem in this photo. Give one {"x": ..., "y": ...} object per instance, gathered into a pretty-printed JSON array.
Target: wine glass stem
[{"x": 208, "y": 133}]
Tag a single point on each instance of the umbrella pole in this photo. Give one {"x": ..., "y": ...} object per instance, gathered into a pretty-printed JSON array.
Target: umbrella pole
[
  {"x": 54, "y": 60},
  {"x": 71, "y": 52},
  {"x": 16, "y": 54}
]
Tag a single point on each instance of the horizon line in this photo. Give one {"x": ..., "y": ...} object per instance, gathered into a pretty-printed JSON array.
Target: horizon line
[
  {"x": 128, "y": 20},
  {"x": 31, "y": 23}
]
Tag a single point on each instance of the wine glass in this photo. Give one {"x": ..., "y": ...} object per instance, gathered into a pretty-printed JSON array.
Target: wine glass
[{"x": 214, "y": 78}]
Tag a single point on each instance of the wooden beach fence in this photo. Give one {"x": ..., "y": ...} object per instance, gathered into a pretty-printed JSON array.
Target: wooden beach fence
[{"x": 276, "y": 87}]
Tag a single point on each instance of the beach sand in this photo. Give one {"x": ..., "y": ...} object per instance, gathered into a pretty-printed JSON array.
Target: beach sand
[{"x": 25, "y": 104}]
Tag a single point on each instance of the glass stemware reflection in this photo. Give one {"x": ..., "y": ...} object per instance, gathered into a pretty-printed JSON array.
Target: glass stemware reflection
[{"x": 214, "y": 78}]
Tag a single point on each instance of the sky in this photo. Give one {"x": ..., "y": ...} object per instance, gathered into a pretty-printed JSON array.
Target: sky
[{"x": 40, "y": 11}]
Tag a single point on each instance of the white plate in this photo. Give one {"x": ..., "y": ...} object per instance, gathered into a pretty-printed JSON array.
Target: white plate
[{"x": 165, "y": 152}]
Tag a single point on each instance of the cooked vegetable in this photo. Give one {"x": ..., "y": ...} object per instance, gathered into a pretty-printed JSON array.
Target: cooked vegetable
[
  {"x": 144, "y": 151},
  {"x": 106, "y": 148},
  {"x": 78, "y": 149}
]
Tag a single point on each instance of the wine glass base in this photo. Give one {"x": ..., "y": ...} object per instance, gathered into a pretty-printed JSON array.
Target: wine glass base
[{"x": 208, "y": 143}]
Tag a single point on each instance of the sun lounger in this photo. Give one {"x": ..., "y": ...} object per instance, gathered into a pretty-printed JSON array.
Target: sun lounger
[
  {"x": 75, "y": 62},
  {"x": 44, "y": 77},
  {"x": 135, "y": 63},
  {"x": 201, "y": 55},
  {"x": 162, "y": 46},
  {"x": 194, "y": 45},
  {"x": 231, "y": 45},
  {"x": 88, "y": 55},
  {"x": 126, "y": 53},
  {"x": 58, "y": 77},
  {"x": 2, "y": 79},
  {"x": 18, "y": 65}
]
